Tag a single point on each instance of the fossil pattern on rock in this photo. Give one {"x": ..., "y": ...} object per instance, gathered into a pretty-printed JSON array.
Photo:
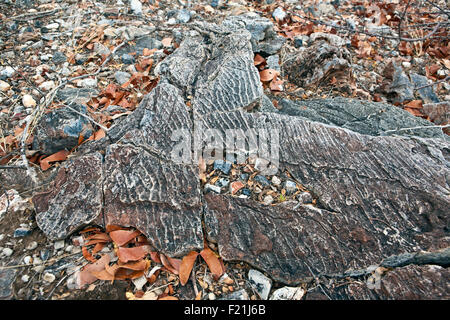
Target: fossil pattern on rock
[{"x": 379, "y": 195}]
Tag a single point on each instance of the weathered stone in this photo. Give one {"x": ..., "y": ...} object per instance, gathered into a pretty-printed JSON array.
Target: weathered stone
[
  {"x": 74, "y": 199},
  {"x": 60, "y": 129},
  {"x": 263, "y": 36},
  {"x": 317, "y": 64},
  {"x": 378, "y": 196},
  {"x": 371, "y": 118},
  {"x": 412, "y": 282},
  {"x": 160, "y": 199}
]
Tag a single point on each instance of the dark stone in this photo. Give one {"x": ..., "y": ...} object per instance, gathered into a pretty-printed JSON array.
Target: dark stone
[
  {"x": 7, "y": 277},
  {"x": 408, "y": 283},
  {"x": 127, "y": 59},
  {"x": 427, "y": 94},
  {"x": 76, "y": 95},
  {"x": 318, "y": 63},
  {"x": 372, "y": 118},
  {"x": 223, "y": 166},
  {"x": 21, "y": 232},
  {"x": 60, "y": 129},
  {"x": 74, "y": 198},
  {"x": 262, "y": 180},
  {"x": 378, "y": 196},
  {"x": 59, "y": 57}
]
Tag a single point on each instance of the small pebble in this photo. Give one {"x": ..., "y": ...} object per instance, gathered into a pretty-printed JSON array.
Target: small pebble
[
  {"x": 21, "y": 232},
  {"x": 4, "y": 86},
  {"x": 246, "y": 192},
  {"x": 262, "y": 180},
  {"x": 236, "y": 186},
  {"x": 276, "y": 181},
  {"x": 268, "y": 200},
  {"x": 32, "y": 245},
  {"x": 58, "y": 244},
  {"x": 223, "y": 166},
  {"x": 211, "y": 187},
  {"x": 290, "y": 186},
  {"x": 28, "y": 260},
  {"x": 7, "y": 252},
  {"x": 211, "y": 296},
  {"x": 25, "y": 278},
  {"x": 49, "y": 277}
]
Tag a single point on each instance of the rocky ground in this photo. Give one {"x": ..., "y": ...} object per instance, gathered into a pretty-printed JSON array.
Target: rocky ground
[{"x": 71, "y": 70}]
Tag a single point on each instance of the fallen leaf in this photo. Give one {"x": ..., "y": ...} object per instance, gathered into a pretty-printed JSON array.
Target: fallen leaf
[
  {"x": 58, "y": 156},
  {"x": 122, "y": 237},
  {"x": 85, "y": 276},
  {"x": 168, "y": 265},
  {"x": 258, "y": 60},
  {"x": 187, "y": 263},
  {"x": 267, "y": 74},
  {"x": 87, "y": 255},
  {"x": 212, "y": 261},
  {"x": 168, "y": 298},
  {"x": 415, "y": 104},
  {"x": 132, "y": 254}
]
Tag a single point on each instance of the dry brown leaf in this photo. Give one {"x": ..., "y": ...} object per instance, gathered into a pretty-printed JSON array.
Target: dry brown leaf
[
  {"x": 415, "y": 104},
  {"x": 58, "y": 156},
  {"x": 132, "y": 254},
  {"x": 122, "y": 237},
  {"x": 168, "y": 298},
  {"x": 167, "y": 262},
  {"x": 87, "y": 255},
  {"x": 267, "y": 74},
  {"x": 86, "y": 277},
  {"x": 258, "y": 60},
  {"x": 212, "y": 261},
  {"x": 187, "y": 263}
]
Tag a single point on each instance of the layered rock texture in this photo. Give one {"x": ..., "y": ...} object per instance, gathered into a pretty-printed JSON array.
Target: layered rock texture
[{"x": 381, "y": 192}]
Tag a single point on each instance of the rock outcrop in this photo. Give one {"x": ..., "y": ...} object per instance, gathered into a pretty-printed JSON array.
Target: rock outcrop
[{"x": 379, "y": 195}]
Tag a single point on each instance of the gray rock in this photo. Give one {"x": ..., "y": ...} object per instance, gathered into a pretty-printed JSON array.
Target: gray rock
[
  {"x": 260, "y": 283},
  {"x": 6, "y": 72},
  {"x": 374, "y": 198},
  {"x": 315, "y": 65},
  {"x": 279, "y": 14},
  {"x": 427, "y": 94},
  {"x": 237, "y": 295},
  {"x": 60, "y": 129},
  {"x": 273, "y": 62},
  {"x": 7, "y": 277},
  {"x": 136, "y": 7},
  {"x": 76, "y": 95},
  {"x": 263, "y": 37},
  {"x": 183, "y": 16},
  {"x": 122, "y": 77},
  {"x": 371, "y": 118},
  {"x": 59, "y": 57},
  {"x": 288, "y": 293}
]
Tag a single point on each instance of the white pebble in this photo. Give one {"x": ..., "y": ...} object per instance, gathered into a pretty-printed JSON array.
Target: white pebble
[
  {"x": 58, "y": 244},
  {"x": 28, "y": 101},
  {"x": 28, "y": 260},
  {"x": 211, "y": 296},
  {"x": 7, "y": 251},
  {"x": 49, "y": 277},
  {"x": 25, "y": 278}
]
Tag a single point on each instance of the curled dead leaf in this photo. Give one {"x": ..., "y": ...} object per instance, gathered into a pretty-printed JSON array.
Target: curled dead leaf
[
  {"x": 267, "y": 74},
  {"x": 187, "y": 263}
]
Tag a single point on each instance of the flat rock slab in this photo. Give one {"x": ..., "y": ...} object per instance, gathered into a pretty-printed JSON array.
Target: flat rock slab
[
  {"x": 412, "y": 282},
  {"x": 378, "y": 195}
]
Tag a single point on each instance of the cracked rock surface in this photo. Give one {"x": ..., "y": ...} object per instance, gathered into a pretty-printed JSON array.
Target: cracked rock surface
[{"x": 378, "y": 195}]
